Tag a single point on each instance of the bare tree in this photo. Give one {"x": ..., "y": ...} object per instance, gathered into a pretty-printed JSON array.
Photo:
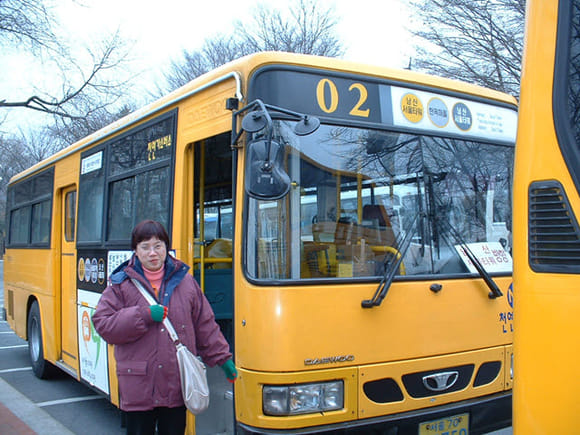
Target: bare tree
[
  {"x": 88, "y": 85},
  {"x": 215, "y": 51},
  {"x": 478, "y": 41},
  {"x": 29, "y": 25},
  {"x": 66, "y": 131},
  {"x": 16, "y": 155},
  {"x": 93, "y": 82},
  {"x": 307, "y": 29}
]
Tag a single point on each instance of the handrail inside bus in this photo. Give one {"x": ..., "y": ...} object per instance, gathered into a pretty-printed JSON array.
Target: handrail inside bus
[
  {"x": 197, "y": 260},
  {"x": 138, "y": 115}
]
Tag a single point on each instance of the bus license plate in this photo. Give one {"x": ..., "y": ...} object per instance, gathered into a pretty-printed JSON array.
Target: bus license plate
[{"x": 453, "y": 425}]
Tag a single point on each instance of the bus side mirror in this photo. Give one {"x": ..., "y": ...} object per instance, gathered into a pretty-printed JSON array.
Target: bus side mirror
[
  {"x": 266, "y": 178},
  {"x": 307, "y": 125}
]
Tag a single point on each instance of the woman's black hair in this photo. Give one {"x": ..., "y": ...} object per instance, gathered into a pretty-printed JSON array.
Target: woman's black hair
[{"x": 145, "y": 230}]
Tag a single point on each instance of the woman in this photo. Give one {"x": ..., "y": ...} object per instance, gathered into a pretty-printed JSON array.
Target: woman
[{"x": 149, "y": 384}]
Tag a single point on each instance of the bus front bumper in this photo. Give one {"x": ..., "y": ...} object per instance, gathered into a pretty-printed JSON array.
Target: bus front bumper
[{"x": 486, "y": 414}]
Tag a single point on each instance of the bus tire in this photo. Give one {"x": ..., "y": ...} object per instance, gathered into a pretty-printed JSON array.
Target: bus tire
[{"x": 41, "y": 368}]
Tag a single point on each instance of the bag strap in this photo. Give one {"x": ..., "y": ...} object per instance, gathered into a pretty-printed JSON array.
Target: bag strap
[{"x": 152, "y": 301}]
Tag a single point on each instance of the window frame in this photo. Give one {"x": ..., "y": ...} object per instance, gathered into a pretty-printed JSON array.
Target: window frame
[
  {"x": 108, "y": 179},
  {"x": 70, "y": 208},
  {"x": 250, "y": 266},
  {"x": 26, "y": 195}
]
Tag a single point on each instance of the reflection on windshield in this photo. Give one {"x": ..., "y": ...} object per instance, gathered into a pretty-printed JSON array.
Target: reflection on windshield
[{"x": 355, "y": 195}]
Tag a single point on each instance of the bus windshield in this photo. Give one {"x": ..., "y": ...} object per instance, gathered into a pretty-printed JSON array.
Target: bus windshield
[{"x": 355, "y": 195}]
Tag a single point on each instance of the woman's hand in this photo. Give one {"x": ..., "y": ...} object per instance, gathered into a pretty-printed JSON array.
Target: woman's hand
[
  {"x": 158, "y": 312},
  {"x": 230, "y": 370}
]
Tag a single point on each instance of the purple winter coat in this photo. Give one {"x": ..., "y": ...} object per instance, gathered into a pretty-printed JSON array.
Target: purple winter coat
[{"x": 147, "y": 367}]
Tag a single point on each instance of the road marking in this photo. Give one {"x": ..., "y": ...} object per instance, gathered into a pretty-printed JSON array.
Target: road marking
[
  {"x": 65, "y": 401},
  {"x": 6, "y": 332},
  {"x": 20, "y": 369},
  {"x": 13, "y": 347}
]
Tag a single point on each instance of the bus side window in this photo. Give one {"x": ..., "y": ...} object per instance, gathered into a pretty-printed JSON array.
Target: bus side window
[
  {"x": 69, "y": 216},
  {"x": 91, "y": 198}
]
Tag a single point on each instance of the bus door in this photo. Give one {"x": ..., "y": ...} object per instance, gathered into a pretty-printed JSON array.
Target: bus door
[
  {"x": 213, "y": 224},
  {"x": 200, "y": 241},
  {"x": 68, "y": 299},
  {"x": 212, "y": 262}
]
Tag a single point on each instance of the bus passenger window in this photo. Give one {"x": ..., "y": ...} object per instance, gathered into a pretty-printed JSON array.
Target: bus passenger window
[
  {"x": 69, "y": 216},
  {"x": 41, "y": 222},
  {"x": 19, "y": 226}
]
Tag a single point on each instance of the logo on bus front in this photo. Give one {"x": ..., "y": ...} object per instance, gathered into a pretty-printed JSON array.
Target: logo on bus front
[
  {"x": 462, "y": 116},
  {"x": 412, "y": 107},
  {"x": 328, "y": 360},
  {"x": 438, "y": 112}
]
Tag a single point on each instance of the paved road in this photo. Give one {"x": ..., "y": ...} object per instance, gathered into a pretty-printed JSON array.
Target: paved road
[
  {"x": 57, "y": 406},
  {"x": 60, "y": 405}
]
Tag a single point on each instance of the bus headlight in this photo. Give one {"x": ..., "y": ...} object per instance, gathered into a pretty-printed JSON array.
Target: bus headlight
[
  {"x": 302, "y": 398},
  {"x": 512, "y": 366}
]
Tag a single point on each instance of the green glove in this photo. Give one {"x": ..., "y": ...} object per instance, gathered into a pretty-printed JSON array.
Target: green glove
[
  {"x": 229, "y": 369},
  {"x": 158, "y": 312}
]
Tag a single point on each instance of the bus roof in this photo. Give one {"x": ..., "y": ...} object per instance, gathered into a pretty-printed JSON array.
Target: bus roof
[{"x": 241, "y": 68}]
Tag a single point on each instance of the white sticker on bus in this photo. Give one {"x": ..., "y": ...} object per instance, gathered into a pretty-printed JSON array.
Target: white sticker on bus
[
  {"x": 427, "y": 111},
  {"x": 93, "y": 350},
  {"x": 92, "y": 163},
  {"x": 115, "y": 259},
  {"x": 491, "y": 255}
]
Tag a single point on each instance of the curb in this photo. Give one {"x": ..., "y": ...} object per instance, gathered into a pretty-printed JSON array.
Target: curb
[{"x": 29, "y": 415}]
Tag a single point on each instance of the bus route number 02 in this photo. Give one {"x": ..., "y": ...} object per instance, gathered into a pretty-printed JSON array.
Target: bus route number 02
[{"x": 331, "y": 105}]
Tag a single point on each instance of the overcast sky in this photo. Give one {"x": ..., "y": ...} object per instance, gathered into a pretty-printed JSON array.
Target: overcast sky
[{"x": 372, "y": 31}]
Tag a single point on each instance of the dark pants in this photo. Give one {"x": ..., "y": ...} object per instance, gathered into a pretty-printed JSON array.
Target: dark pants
[{"x": 170, "y": 421}]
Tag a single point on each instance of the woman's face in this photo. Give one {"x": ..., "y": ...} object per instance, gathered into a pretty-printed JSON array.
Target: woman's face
[{"x": 151, "y": 253}]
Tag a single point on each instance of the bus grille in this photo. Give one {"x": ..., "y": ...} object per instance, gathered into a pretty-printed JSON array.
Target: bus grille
[
  {"x": 554, "y": 235},
  {"x": 416, "y": 384},
  {"x": 386, "y": 390}
]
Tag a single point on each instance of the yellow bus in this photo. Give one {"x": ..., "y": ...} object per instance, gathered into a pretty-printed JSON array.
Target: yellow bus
[
  {"x": 349, "y": 224},
  {"x": 546, "y": 219}
]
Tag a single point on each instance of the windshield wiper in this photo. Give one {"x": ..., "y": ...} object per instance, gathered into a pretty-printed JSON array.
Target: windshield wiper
[
  {"x": 391, "y": 264},
  {"x": 495, "y": 291}
]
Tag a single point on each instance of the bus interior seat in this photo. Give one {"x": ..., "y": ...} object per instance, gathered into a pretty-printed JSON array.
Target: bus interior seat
[
  {"x": 334, "y": 242},
  {"x": 321, "y": 253},
  {"x": 220, "y": 248},
  {"x": 377, "y": 225},
  {"x": 324, "y": 232},
  {"x": 218, "y": 278},
  {"x": 376, "y": 214}
]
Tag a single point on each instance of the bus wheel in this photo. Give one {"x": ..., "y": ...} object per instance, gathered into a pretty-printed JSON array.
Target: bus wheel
[{"x": 42, "y": 369}]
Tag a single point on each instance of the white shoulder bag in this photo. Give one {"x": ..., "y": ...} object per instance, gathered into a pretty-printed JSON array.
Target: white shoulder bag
[{"x": 191, "y": 370}]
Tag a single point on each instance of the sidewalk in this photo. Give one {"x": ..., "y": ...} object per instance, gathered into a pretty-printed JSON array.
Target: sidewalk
[
  {"x": 20, "y": 416},
  {"x": 12, "y": 425}
]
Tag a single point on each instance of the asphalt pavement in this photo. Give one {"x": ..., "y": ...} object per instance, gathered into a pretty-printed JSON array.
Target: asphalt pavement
[{"x": 18, "y": 415}]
